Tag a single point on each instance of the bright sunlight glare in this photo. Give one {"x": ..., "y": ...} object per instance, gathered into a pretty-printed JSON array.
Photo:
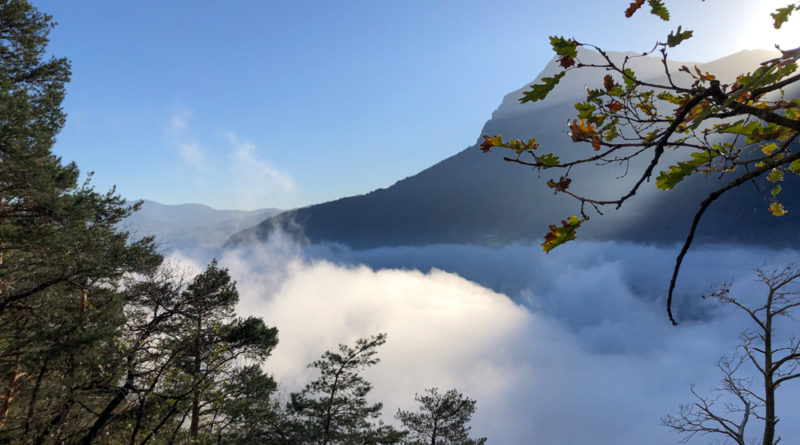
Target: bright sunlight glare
[{"x": 758, "y": 32}]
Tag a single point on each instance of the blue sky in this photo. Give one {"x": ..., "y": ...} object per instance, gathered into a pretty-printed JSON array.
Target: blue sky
[{"x": 250, "y": 104}]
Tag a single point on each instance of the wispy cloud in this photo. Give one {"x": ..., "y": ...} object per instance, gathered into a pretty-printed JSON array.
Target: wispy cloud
[
  {"x": 193, "y": 154},
  {"x": 255, "y": 179},
  {"x": 180, "y": 136},
  {"x": 230, "y": 168}
]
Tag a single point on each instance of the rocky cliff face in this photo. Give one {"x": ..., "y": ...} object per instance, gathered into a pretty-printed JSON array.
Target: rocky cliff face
[{"x": 474, "y": 197}]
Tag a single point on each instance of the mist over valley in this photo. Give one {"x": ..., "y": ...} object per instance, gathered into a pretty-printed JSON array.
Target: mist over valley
[
  {"x": 447, "y": 263},
  {"x": 363, "y": 223}
]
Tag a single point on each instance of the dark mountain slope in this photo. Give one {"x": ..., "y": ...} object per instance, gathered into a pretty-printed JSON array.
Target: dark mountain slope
[{"x": 474, "y": 197}]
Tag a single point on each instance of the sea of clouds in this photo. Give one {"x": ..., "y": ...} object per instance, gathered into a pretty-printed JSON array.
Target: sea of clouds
[{"x": 573, "y": 347}]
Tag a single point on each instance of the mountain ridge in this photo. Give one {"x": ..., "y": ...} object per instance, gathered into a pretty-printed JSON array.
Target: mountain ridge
[
  {"x": 189, "y": 226},
  {"x": 472, "y": 197}
]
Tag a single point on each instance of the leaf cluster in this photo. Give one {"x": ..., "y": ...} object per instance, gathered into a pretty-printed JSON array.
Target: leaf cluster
[{"x": 743, "y": 131}]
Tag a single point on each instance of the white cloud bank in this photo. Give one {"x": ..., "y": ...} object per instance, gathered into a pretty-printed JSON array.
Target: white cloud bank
[{"x": 595, "y": 363}]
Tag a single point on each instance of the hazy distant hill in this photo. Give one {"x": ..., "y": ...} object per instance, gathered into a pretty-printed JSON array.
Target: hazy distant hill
[
  {"x": 478, "y": 198},
  {"x": 186, "y": 226}
]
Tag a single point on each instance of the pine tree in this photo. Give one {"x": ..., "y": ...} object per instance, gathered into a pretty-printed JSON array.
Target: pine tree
[
  {"x": 215, "y": 343},
  {"x": 60, "y": 252},
  {"x": 441, "y": 420},
  {"x": 333, "y": 409}
]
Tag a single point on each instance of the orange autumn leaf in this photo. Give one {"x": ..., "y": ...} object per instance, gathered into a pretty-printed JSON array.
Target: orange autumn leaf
[
  {"x": 614, "y": 106},
  {"x": 777, "y": 209},
  {"x": 566, "y": 61},
  {"x": 581, "y": 130},
  {"x": 596, "y": 142},
  {"x": 707, "y": 77},
  {"x": 562, "y": 184},
  {"x": 487, "y": 144},
  {"x": 646, "y": 109},
  {"x": 695, "y": 111},
  {"x": 608, "y": 82},
  {"x": 633, "y": 7},
  {"x": 744, "y": 97}
]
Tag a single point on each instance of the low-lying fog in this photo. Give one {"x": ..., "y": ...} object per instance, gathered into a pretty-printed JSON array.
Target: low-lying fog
[{"x": 573, "y": 347}]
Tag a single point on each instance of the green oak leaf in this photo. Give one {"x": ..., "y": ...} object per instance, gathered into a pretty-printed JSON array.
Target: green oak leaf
[
  {"x": 560, "y": 235},
  {"x": 549, "y": 160},
  {"x": 629, "y": 78},
  {"x": 674, "y": 40},
  {"x": 667, "y": 180},
  {"x": 539, "y": 91},
  {"x": 794, "y": 167},
  {"x": 585, "y": 109},
  {"x": 564, "y": 47},
  {"x": 781, "y": 15},
  {"x": 658, "y": 9},
  {"x": 776, "y": 175}
]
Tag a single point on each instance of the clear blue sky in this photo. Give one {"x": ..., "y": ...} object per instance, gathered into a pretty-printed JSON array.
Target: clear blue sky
[{"x": 248, "y": 104}]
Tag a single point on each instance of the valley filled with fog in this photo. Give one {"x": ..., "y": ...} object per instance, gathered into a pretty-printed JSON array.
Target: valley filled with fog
[
  {"x": 569, "y": 347},
  {"x": 573, "y": 346},
  {"x": 419, "y": 244}
]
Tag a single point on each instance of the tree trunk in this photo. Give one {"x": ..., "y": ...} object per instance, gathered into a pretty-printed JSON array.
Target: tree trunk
[
  {"x": 328, "y": 412},
  {"x": 172, "y": 410},
  {"x": 105, "y": 415},
  {"x": 34, "y": 395},
  {"x": 194, "y": 427},
  {"x": 84, "y": 301},
  {"x": 56, "y": 421},
  {"x": 171, "y": 440},
  {"x": 138, "y": 422},
  {"x": 769, "y": 385},
  {"x": 769, "y": 418},
  {"x": 11, "y": 389},
  {"x": 13, "y": 378}
]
